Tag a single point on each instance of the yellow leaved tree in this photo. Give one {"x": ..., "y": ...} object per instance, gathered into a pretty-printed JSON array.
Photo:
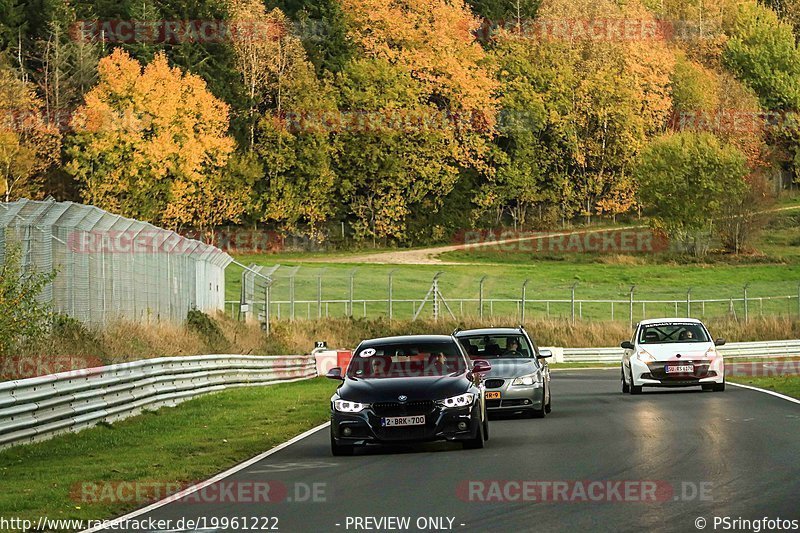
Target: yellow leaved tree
[
  {"x": 29, "y": 145},
  {"x": 151, "y": 143},
  {"x": 434, "y": 41}
]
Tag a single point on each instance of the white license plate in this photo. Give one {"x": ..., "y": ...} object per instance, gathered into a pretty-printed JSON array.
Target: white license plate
[
  {"x": 393, "y": 421},
  {"x": 680, "y": 369}
]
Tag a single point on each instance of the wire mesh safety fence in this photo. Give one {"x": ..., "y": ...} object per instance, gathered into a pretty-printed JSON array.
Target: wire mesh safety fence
[
  {"x": 108, "y": 266},
  {"x": 309, "y": 292}
]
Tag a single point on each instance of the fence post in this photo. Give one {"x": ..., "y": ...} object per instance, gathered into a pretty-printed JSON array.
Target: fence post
[
  {"x": 319, "y": 293},
  {"x": 480, "y": 296},
  {"x": 391, "y": 288},
  {"x": 350, "y": 298},
  {"x": 572, "y": 291},
  {"x": 243, "y": 292},
  {"x": 291, "y": 291},
  {"x": 746, "y": 317},
  {"x": 633, "y": 287},
  {"x": 266, "y": 306},
  {"x": 522, "y": 310},
  {"x": 689, "y": 302}
]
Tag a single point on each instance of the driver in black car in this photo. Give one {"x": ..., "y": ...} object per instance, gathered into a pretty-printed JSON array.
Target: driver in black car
[
  {"x": 438, "y": 363},
  {"x": 380, "y": 367}
]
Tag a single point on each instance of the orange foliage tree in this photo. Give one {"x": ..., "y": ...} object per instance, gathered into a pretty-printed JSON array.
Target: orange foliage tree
[{"x": 151, "y": 143}]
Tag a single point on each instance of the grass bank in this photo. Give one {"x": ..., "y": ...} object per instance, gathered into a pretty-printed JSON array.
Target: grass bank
[
  {"x": 172, "y": 446},
  {"x": 788, "y": 385},
  {"x": 123, "y": 341},
  {"x": 288, "y": 337}
]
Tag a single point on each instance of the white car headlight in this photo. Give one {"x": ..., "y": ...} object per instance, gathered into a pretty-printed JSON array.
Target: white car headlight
[
  {"x": 527, "y": 381},
  {"x": 462, "y": 400},
  {"x": 645, "y": 356},
  {"x": 344, "y": 406}
]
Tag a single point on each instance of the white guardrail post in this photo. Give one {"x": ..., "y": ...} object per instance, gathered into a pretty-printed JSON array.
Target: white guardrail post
[{"x": 38, "y": 408}]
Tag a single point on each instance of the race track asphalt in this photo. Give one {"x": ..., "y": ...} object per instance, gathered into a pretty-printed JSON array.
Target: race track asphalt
[{"x": 732, "y": 454}]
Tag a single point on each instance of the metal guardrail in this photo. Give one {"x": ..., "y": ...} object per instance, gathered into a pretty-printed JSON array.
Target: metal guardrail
[
  {"x": 733, "y": 350},
  {"x": 38, "y": 408}
]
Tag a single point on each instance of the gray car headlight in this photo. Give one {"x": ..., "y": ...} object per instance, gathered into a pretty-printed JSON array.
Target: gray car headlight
[
  {"x": 344, "y": 406},
  {"x": 462, "y": 400},
  {"x": 527, "y": 381}
]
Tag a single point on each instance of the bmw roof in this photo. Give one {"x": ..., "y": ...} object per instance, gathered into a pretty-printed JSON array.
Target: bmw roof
[{"x": 405, "y": 339}]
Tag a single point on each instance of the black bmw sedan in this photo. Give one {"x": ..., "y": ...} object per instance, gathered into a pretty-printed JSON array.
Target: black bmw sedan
[{"x": 410, "y": 388}]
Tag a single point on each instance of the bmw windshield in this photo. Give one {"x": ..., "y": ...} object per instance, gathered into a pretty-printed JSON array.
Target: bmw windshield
[{"x": 406, "y": 360}]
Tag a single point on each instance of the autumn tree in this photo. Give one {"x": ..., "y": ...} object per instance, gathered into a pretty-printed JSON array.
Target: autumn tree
[
  {"x": 576, "y": 109},
  {"x": 434, "y": 42},
  {"x": 531, "y": 132},
  {"x": 67, "y": 64},
  {"x": 394, "y": 151},
  {"x": 29, "y": 145},
  {"x": 763, "y": 54},
  {"x": 150, "y": 143},
  {"x": 297, "y": 190},
  {"x": 268, "y": 55},
  {"x": 686, "y": 181}
]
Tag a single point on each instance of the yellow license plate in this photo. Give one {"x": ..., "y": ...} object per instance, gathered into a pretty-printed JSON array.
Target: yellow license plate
[{"x": 492, "y": 395}]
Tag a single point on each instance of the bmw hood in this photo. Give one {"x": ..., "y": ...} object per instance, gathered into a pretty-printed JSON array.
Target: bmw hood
[
  {"x": 686, "y": 350},
  {"x": 414, "y": 389},
  {"x": 511, "y": 368}
]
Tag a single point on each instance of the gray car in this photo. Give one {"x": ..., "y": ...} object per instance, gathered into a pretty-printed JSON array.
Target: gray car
[{"x": 519, "y": 381}]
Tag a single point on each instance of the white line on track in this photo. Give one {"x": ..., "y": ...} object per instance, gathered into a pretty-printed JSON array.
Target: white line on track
[
  {"x": 750, "y": 387},
  {"x": 206, "y": 483},
  {"x": 765, "y": 391}
]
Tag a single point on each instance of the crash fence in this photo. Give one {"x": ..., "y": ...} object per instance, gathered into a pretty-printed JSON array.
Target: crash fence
[
  {"x": 109, "y": 267},
  {"x": 40, "y": 407},
  {"x": 288, "y": 293}
]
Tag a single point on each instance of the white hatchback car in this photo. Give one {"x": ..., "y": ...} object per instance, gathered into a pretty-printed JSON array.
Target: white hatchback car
[{"x": 672, "y": 352}]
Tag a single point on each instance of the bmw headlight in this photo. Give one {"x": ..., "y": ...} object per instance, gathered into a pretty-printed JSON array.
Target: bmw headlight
[
  {"x": 527, "y": 381},
  {"x": 343, "y": 406},
  {"x": 462, "y": 400}
]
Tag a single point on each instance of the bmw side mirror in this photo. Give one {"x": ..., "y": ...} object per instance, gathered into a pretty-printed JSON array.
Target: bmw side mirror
[
  {"x": 719, "y": 342},
  {"x": 481, "y": 366},
  {"x": 335, "y": 373},
  {"x": 627, "y": 345},
  {"x": 543, "y": 354}
]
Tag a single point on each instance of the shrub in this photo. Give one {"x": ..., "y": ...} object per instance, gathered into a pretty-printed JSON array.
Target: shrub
[
  {"x": 205, "y": 326},
  {"x": 23, "y": 317}
]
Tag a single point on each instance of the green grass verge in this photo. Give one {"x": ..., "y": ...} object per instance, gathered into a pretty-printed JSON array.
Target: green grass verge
[
  {"x": 184, "y": 444},
  {"x": 774, "y": 271},
  {"x": 788, "y": 385},
  {"x": 548, "y": 280}
]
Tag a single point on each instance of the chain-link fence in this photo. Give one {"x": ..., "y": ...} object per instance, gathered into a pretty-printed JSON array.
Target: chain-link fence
[
  {"x": 111, "y": 267},
  {"x": 406, "y": 292}
]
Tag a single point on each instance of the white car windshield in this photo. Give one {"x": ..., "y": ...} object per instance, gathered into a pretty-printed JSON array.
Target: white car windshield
[{"x": 668, "y": 332}]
